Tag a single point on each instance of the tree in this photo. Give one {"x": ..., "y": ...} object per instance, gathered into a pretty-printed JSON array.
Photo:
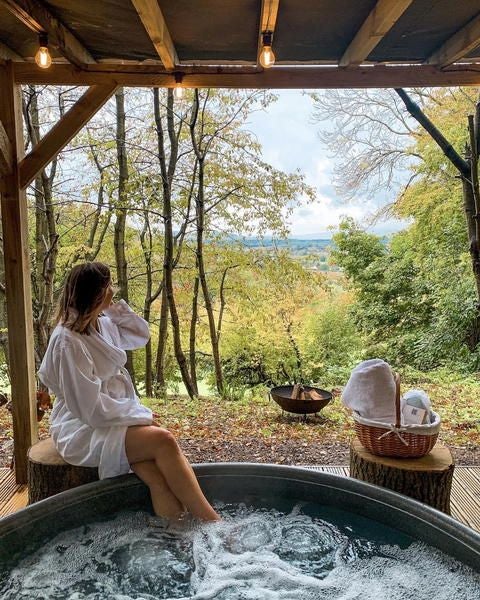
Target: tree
[
  {"x": 433, "y": 166},
  {"x": 467, "y": 170},
  {"x": 46, "y": 237}
]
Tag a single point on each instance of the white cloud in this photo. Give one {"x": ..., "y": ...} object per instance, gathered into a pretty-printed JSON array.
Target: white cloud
[
  {"x": 318, "y": 216},
  {"x": 289, "y": 142}
]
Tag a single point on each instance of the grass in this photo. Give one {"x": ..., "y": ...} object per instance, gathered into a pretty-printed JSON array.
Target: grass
[
  {"x": 457, "y": 402},
  {"x": 256, "y": 415}
]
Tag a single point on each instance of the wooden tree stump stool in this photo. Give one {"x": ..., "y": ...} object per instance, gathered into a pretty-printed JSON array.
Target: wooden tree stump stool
[
  {"x": 427, "y": 479},
  {"x": 49, "y": 474}
]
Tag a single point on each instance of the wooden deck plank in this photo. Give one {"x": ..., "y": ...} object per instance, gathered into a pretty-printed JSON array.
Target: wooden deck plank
[
  {"x": 7, "y": 488},
  {"x": 12, "y": 496},
  {"x": 467, "y": 478},
  {"x": 4, "y": 474},
  {"x": 17, "y": 501},
  {"x": 474, "y": 471}
]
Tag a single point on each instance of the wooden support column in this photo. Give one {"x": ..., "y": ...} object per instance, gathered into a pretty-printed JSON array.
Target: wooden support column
[{"x": 17, "y": 278}]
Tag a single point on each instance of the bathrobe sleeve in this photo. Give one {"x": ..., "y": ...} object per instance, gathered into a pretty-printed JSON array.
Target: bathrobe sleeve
[
  {"x": 81, "y": 390},
  {"x": 133, "y": 330}
]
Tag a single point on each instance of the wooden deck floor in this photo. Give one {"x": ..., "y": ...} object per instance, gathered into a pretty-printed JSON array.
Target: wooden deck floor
[{"x": 465, "y": 497}]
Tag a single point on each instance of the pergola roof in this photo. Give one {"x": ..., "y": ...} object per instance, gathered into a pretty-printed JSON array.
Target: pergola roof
[{"x": 217, "y": 42}]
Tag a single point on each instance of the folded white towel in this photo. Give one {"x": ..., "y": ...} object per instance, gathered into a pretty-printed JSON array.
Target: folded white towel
[
  {"x": 371, "y": 391},
  {"x": 417, "y": 399}
]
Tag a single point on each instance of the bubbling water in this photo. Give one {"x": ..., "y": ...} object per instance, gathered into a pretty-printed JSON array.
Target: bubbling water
[{"x": 250, "y": 555}]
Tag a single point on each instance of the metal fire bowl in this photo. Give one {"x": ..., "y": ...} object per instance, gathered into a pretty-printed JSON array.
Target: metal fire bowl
[{"x": 282, "y": 393}]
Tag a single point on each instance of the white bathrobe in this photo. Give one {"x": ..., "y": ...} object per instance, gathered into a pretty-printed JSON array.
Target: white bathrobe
[{"x": 95, "y": 398}]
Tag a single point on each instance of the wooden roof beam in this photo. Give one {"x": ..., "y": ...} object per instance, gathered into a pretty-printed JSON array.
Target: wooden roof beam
[
  {"x": 378, "y": 23},
  {"x": 458, "y": 46},
  {"x": 6, "y": 152},
  {"x": 251, "y": 78},
  {"x": 152, "y": 18},
  {"x": 268, "y": 21},
  {"x": 36, "y": 17},
  {"x": 64, "y": 130},
  {"x": 6, "y": 53}
]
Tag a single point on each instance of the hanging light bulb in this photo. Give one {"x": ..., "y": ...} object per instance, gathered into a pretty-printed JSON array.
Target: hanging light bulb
[
  {"x": 178, "y": 90},
  {"x": 267, "y": 57},
  {"x": 42, "y": 57}
]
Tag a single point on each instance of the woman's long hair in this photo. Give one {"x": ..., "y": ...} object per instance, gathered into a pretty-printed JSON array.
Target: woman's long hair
[{"x": 83, "y": 293}]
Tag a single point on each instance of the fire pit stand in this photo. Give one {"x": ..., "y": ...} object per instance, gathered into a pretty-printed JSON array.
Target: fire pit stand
[{"x": 282, "y": 395}]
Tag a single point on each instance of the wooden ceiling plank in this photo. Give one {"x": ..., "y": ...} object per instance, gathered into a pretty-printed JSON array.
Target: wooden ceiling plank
[
  {"x": 268, "y": 18},
  {"x": 378, "y": 23},
  {"x": 64, "y": 131},
  {"x": 153, "y": 20},
  {"x": 268, "y": 21},
  {"x": 6, "y": 53},
  {"x": 36, "y": 17},
  {"x": 458, "y": 46},
  {"x": 242, "y": 78},
  {"x": 6, "y": 153}
]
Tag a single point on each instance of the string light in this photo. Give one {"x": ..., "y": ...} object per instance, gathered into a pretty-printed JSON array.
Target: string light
[
  {"x": 178, "y": 90},
  {"x": 267, "y": 57},
  {"x": 42, "y": 57}
]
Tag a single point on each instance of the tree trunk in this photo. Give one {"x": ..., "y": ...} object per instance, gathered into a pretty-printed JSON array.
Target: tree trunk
[
  {"x": 193, "y": 335},
  {"x": 160, "y": 382},
  {"x": 46, "y": 237},
  {"x": 121, "y": 210},
  {"x": 200, "y": 214},
  {"x": 168, "y": 265},
  {"x": 146, "y": 242},
  {"x": 427, "y": 479},
  {"x": 203, "y": 280},
  {"x": 49, "y": 474}
]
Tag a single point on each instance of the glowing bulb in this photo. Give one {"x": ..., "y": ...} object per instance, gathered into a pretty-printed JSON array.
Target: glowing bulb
[
  {"x": 42, "y": 57},
  {"x": 178, "y": 92},
  {"x": 267, "y": 57}
]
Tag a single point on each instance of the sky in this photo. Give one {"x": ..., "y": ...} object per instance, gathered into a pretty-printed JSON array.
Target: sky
[{"x": 290, "y": 141}]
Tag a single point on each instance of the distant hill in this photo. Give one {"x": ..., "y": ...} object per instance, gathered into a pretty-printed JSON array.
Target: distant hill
[{"x": 296, "y": 245}]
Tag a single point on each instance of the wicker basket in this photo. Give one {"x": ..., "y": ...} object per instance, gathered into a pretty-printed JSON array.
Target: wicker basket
[{"x": 401, "y": 441}]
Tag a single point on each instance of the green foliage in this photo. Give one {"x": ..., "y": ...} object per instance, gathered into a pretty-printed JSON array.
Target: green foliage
[
  {"x": 415, "y": 300},
  {"x": 415, "y": 297},
  {"x": 332, "y": 343}
]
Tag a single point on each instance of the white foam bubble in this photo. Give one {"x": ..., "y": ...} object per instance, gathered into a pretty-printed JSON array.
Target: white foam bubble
[{"x": 250, "y": 555}]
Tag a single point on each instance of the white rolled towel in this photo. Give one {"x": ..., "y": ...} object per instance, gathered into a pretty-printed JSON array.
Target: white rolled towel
[{"x": 371, "y": 391}]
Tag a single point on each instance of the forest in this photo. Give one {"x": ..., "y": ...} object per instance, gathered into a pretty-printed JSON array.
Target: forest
[{"x": 175, "y": 195}]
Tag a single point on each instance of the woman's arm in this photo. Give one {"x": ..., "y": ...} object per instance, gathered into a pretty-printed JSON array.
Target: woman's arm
[
  {"x": 81, "y": 391},
  {"x": 133, "y": 330}
]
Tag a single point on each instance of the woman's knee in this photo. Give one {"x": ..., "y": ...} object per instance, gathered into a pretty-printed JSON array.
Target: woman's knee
[
  {"x": 165, "y": 439},
  {"x": 148, "y": 442}
]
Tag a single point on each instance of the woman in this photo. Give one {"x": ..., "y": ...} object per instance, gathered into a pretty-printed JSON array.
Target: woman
[{"x": 97, "y": 420}]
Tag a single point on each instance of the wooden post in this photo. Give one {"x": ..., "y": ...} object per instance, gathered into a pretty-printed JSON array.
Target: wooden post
[
  {"x": 17, "y": 278},
  {"x": 427, "y": 479}
]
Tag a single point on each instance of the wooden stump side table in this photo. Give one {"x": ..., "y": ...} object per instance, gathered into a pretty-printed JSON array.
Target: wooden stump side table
[
  {"x": 49, "y": 474},
  {"x": 427, "y": 479}
]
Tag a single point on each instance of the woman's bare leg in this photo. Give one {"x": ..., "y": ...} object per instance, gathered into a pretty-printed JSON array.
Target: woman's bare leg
[
  {"x": 148, "y": 442},
  {"x": 165, "y": 503}
]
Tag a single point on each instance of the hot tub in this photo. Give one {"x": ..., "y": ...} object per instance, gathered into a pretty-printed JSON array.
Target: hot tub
[{"x": 387, "y": 517}]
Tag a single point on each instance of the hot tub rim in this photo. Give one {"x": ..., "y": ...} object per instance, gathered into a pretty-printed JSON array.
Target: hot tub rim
[{"x": 432, "y": 520}]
